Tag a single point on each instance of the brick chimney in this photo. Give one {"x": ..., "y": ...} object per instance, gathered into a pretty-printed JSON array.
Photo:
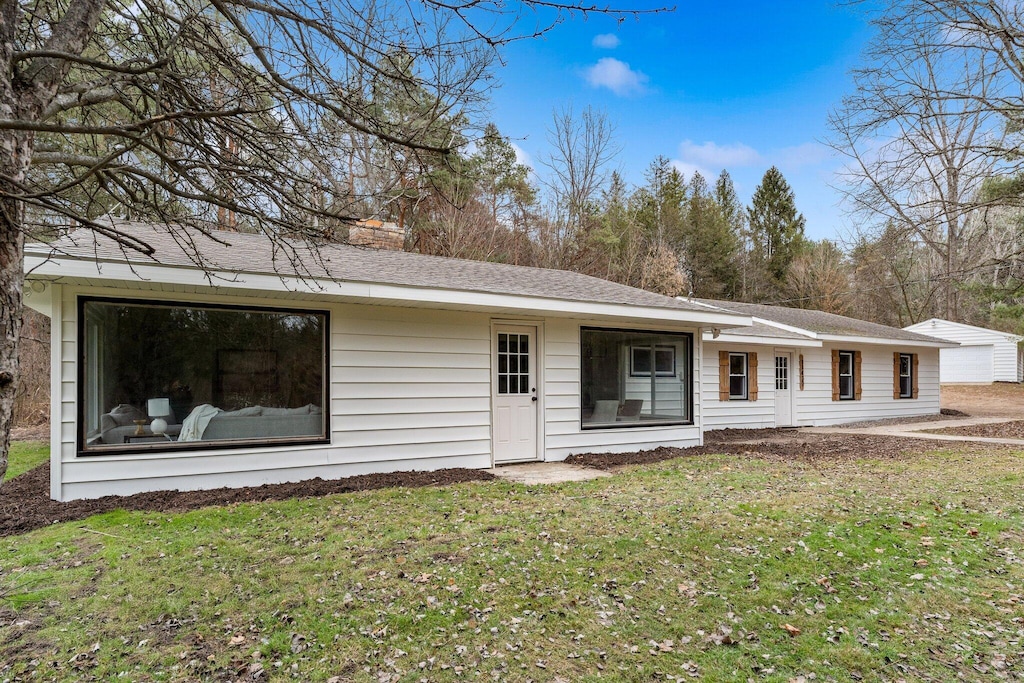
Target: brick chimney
[{"x": 377, "y": 234}]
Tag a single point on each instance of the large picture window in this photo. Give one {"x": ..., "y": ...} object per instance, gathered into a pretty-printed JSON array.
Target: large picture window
[
  {"x": 635, "y": 378},
  {"x": 168, "y": 375}
]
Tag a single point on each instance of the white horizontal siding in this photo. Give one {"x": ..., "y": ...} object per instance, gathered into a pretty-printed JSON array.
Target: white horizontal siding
[
  {"x": 814, "y": 405},
  {"x": 1004, "y": 362},
  {"x": 173, "y": 479},
  {"x": 741, "y": 414},
  {"x": 1005, "y": 366},
  {"x": 409, "y": 389}
]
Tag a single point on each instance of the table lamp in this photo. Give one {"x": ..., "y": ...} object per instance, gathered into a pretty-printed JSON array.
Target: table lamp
[{"x": 158, "y": 409}]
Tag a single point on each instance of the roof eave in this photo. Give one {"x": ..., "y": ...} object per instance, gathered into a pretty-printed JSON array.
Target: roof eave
[
  {"x": 789, "y": 328},
  {"x": 887, "y": 341},
  {"x": 47, "y": 266},
  {"x": 760, "y": 341}
]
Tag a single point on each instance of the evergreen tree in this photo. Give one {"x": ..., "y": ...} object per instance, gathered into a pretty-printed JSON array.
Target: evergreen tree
[
  {"x": 776, "y": 231},
  {"x": 502, "y": 183},
  {"x": 709, "y": 244},
  {"x": 661, "y": 203}
]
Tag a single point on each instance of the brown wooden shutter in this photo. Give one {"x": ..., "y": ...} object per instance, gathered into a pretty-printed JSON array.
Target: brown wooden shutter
[
  {"x": 896, "y": 375},
  {"x": 913, "y": 374},
  {"x": 835, "y": 374},
  {"x": 801, "y": 372},
  {"x": 723, "y": 375},
  {"x": 752, "y": 373},
  {"x": 856, "y": 375}
]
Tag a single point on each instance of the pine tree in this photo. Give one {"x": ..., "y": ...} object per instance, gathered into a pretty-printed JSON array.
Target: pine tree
[
  {"x": 661, "y": 203},
  {"x": 709, "y": 244},
  {"x": 776, "y": 231}
]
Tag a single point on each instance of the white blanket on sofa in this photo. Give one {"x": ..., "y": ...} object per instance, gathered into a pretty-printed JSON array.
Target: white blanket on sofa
[{"x": 197, "y": 421}]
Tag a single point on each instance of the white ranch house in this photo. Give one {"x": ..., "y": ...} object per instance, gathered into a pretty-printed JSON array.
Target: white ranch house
[
  {"x": 797, "y": 367},
  {"x": 264, "y": 369},
  {"x": 984, "y": 356},
  {"x": 270, "y": 365}
]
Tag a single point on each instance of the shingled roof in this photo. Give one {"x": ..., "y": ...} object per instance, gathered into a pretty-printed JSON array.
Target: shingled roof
[
  {"x": 233, "y": 252},
  {"x": 820, "y": 322}
]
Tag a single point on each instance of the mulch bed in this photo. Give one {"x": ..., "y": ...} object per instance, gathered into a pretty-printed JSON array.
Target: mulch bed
[
  {"x": 1002, "y": 430},
  {"x": 783, "y": 444},
  {"x": 25, "y": 502}
]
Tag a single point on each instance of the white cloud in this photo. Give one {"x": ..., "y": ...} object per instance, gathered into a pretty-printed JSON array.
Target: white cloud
[
  {"x": 617, "y": 76},
  {"x": 799, "y": 156},
  {"x": 688, "y": 170},
  {"x": 522, "y": 156},
  {"x": 712, "y": 155},
  {"x": 606, "y": 41}
]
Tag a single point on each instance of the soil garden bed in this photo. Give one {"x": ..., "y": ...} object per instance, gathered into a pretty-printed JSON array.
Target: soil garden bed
[
  {"x": 999, "y": 430},
  {"x": 25, "y": 503},
  {"x": 786, "y": 444}
]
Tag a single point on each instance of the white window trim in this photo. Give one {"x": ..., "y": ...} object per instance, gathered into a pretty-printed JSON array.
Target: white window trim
[
  {"x": 852, "y": 375},
  {"x": 746, "y": 377},
  {"x": 909, "y": 376}
]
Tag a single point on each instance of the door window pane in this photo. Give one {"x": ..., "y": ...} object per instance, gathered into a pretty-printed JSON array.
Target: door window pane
[
  {"x": 513, "y": 363},
  {"x": 782, "y": 373}
]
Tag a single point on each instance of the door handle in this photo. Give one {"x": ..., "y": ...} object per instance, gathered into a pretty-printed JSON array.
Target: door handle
[{"x": 533, "y": 398}]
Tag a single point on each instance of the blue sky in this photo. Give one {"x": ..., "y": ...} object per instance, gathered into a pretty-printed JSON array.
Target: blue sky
[{"x": 735, "y": 85}]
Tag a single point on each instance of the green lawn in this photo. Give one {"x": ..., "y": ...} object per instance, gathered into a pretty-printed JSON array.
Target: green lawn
[
  {"x": 24, "y": 455},
  {"x": 712, "y": 567}
]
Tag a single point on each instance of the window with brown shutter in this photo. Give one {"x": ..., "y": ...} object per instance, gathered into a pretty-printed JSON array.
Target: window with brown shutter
[
  {"x": 801, "y": 372},
  {"x": 846, "y": 375},
  {"x": 905, "y": 375},
  {"x": 737, "y": 376}
]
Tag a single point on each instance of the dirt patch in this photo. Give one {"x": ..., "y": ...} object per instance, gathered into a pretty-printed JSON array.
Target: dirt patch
[
  {"x": 946, "y": 414},
  {"x": 985, "y": 400},
  {"x": 785, "y": 444},
  {"x": 25, "y": 502},
  {"x": 1001, "y": 430}
]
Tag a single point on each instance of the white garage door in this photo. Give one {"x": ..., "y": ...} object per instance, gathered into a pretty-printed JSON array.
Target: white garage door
[{"x": 966, "y": 364}]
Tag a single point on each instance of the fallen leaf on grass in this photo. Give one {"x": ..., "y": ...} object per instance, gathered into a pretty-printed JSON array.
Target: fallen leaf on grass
[
  {"x": 793, "y": 631},
  {"x": 236, "y": 640},
  {"x": 722, "y": 636},
  {"x": 972, "y": 532}
]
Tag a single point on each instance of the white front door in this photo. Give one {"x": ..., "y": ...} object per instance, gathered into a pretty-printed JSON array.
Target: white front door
[
  {"x": 514, "y": 383},
  {"x": 783, "y": 389}
]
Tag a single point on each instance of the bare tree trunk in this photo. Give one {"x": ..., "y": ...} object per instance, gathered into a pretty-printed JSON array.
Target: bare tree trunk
[{"x": 12, "y": 279}]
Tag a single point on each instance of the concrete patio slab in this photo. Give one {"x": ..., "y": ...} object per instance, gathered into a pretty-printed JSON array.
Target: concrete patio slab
[{"x": 546, "y": 473}]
